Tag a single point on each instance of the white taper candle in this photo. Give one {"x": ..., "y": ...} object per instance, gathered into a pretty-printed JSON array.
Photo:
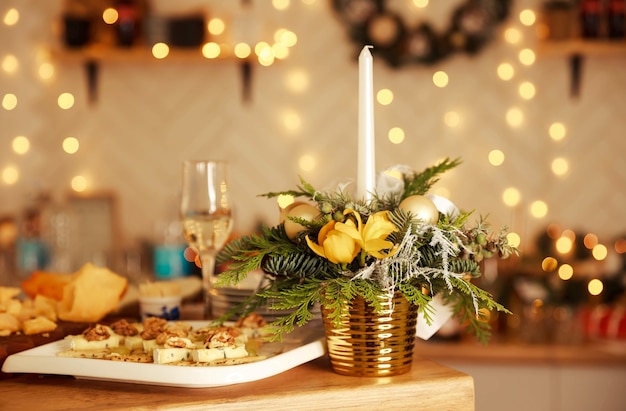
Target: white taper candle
[{"x": 366, "y": 173}]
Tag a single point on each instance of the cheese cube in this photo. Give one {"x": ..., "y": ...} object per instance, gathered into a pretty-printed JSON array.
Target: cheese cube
[{"x": 168, "y": 355}]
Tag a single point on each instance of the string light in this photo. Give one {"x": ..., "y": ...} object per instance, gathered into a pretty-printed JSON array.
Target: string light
[
  {"x": 557, "y": 131},
  {"x": 65, "y": 101},
  {"x": 452, "y": 119},
  {"x": 70, "y": 145},
  {"x": 211, "y": 50},
  {"x": 396, "y": 135},
  {"x": 20, "y": 145},
  {"x": 511, "y": 196},
  {"x": 440, "y": 79},
  {"x": 307, "y": 163},
  {"x": 160, "y": 50},
  {"x": 384, "y": 96},
  {"x": 496, "y": 157}
]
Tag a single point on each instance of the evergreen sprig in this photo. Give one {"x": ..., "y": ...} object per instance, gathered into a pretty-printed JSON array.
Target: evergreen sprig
[{"x": 420, "y": 183}]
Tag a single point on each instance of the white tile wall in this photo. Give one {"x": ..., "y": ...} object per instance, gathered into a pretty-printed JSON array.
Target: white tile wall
[{"x": 152, "y": 115}]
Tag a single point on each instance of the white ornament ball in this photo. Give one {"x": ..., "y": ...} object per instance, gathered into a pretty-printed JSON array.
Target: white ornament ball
[
  {"x": 421, "y": 208},
  {"x": 445, "y": 206},
  {"x": 303, "y": 211}
]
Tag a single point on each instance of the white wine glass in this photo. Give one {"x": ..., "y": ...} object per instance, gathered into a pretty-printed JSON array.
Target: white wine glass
[{"x": 206, "y": 216}]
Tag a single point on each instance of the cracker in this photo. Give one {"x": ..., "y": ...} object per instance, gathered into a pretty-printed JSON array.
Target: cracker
[{"x": 38, "y": 325}]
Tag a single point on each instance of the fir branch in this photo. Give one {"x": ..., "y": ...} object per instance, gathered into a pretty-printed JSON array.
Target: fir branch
[{"x": 420, "y": 183}]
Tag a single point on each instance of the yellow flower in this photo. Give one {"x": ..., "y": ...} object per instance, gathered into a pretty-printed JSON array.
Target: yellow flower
[
  {"x": 334, "y": 245},
  {"x": 373, "y": 236},
  {"x": 340, "y": 243}
]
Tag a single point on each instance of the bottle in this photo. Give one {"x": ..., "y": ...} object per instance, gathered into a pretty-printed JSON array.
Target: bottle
[
  {"x": 127, "y": 23},
  {"x": 590, "y": 18},
  {"x": 616, "y": 19},
  {"x": 168, "y": 258},
  {"x": 58, "y": 233},
  {"x": 32, "y": 252}
]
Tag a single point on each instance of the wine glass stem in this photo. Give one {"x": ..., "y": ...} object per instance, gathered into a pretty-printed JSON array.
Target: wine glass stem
[{"x": 208, "y": 271}]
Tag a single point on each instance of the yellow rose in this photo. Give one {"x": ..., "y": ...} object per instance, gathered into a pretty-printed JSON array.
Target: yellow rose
[
  {"x": 340, "y": 243},
  {"x": 373, "y": 236},
  {"x": 334, "y": 245}
]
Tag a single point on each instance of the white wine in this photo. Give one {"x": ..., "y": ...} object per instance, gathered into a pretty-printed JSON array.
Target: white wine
[{"x": 207, "y": 233}]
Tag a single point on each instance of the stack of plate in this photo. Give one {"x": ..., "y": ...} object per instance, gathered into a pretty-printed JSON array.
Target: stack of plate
[{"x": 227, "y": 298}]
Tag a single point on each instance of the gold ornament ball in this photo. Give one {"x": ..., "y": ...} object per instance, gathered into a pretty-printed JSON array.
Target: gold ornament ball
[
  {"x": 284, "y": 211},
  {"x": 303, "y": 211},
  {"x": 421, "y": 208}
]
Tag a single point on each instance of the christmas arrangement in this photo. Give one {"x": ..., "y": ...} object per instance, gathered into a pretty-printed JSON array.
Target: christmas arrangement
[{"x": 330, "y": 247}]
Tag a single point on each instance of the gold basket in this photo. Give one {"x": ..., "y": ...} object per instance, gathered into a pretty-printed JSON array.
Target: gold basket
[{"x": 370, "y": 343}]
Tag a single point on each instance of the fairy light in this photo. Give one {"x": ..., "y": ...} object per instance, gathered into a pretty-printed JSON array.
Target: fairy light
[
  {"x": 280, "y": 51},
  {"x": 9, "y": 101},
  {"x": 46, "y": 71},
  {"x": 440, "y": 79},
  {"x": 79, "y": 183},
  {"x": 620, "y": 246},
  {"x": 557, "y": 131},
  {"x": 281, "y": 4},
  {"x": 566, "y": 272},
  {"x": 527, "y": 57},
  {"x": 514, "y": 117},
  {"x": 110, "y": 15},
  {"x": 286, "y": 37},
  {"x": 564, "y": 245},
  {"x": 285, "y": 200},
  {"x": 384, "y": 96},
  {"x": 266, "y": 56},
  {"x": 496, "y": 158},
  {"x": 70, "y": 145},
  {"x": 20, "y": 145},
  {"x": 297, "y": 80},
  {"x": 396, "y": 135},
  {"x": 211, "y": 50},
  {"x": 549, "y": 264},
  {"x": 513, "y": 239},
  {"x": 216, "y": 26},
  {"x": 511, "y": 196},
  {"x": 10, "y": 64},
  {"x": 512, "y": 35},
  {"x": 242, "y": 50},
  {"x": 452, "y": 119},
  {"x": 291, "y": 120},
  {"x": 590, "y": 240},
  {"x": 420, "y": 4},
  {"x": 160, "y": 50},
  {"x": 527, "y": 17},
  {"x": 11, "y": 17},
  {"x": 10, "y": 175},
  {"x": 65, "y": 101},
  {"x": 599, "y": 252},
  {"x": 560, "y": 166},
  {"x": 595, "y": 287},
  {"x": 307, "y": 163},
  {"x": 505, "y": 71},
  {"x": 539, "y": 209},
  {"x": 527, "y": 90}
]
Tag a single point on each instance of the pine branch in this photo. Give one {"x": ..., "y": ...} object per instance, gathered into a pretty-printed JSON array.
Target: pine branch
[{"x": 420, "y": 183}]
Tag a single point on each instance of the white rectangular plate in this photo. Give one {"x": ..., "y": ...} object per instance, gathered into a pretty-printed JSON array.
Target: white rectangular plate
[{"x": 302, "y": 345}]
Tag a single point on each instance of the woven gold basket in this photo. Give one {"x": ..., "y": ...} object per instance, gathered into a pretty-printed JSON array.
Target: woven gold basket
[{"x": 370, "y": 343}]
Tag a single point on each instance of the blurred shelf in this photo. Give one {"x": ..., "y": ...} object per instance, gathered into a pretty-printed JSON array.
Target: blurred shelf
[
  {"x": 587, "y": 48},
  {"x": 93, "y": 56},
  {"x": 137, "y": 54}
]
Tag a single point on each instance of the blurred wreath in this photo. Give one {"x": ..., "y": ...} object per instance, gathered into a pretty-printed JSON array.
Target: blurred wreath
[{"x": 399, "y": 43}]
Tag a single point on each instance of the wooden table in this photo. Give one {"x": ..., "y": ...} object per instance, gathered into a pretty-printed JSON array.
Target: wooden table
[{"x": 312, "y": 386}]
